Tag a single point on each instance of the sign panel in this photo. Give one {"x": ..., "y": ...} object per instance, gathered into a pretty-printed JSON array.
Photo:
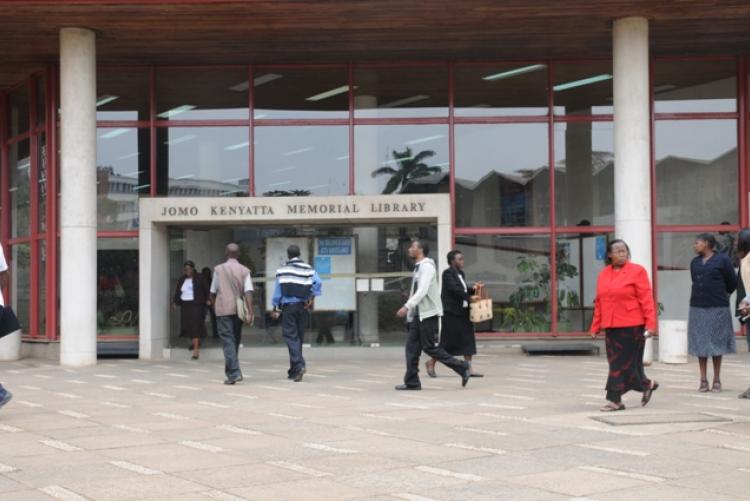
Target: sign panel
[{"x": 336, "y": 256}]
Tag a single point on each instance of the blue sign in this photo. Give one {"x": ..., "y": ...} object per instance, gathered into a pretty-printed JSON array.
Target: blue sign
[
  {"x": 323, "y": 265},
  {"x": 601, "y": 248},
  {"x": 335, "y": 246}
]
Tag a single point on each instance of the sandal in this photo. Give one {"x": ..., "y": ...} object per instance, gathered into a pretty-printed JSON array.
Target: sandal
[
  {"x": 430, "y": 368},
  {"x": 716, "y": 388},
  {"x": 704, "y": 386},
  {"x": 745, "y": 395},
  {"x": 648, "y": 392},
  {"x": 613, "y": 407}
]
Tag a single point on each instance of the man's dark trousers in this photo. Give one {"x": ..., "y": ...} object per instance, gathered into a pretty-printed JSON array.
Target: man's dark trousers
[
  {"x": 230, "y": 333},
  {"x": 423, "y": 337},
  {"x": 293, "y": 318}
]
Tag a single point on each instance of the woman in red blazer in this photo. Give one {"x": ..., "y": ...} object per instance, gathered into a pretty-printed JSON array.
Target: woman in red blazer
[{"x": 624, "y": 309}]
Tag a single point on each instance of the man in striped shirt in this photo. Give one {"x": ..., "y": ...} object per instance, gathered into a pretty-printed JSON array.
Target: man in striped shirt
[{"x": 297, "y": 284}]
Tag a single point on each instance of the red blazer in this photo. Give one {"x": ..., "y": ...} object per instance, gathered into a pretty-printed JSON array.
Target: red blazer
[{"x": 623, "y": 299}]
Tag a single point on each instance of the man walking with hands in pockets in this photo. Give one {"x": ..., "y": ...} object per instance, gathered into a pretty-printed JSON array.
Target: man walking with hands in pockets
[{"x": 422, "y": 312}]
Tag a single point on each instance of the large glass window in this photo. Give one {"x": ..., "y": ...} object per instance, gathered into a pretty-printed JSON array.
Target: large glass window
[
  {"x": 122, "y": 94},
  {"x": 41, "y": 263},
  {"x": 502, "y": 175},
  {"x": 695, "y": 86},
  {"x": 388, "y": 92},
  {"x": 20, "y": 188},
  {"x": 401, "y": 159},
  {"x": 42, "y": 181},
  {"x": 122, "y": 175},
  {"x": 584, "y": 173},
  {"x": 300, "y": 92},
  {"x": 501, "y": 89},
  {"x": 203, "y": 161},
  {"x": 302, "y": 161},
  {"x": 696, "y": 171},
  {"x": 582, "y": 88},
  {"x": 210, "y": 94},
  {"x": 117, "y": 286},
  {"x": 517, "y": 273},
  {"x": 580, "y": 258},
  {"x": 18, "y": 111}
]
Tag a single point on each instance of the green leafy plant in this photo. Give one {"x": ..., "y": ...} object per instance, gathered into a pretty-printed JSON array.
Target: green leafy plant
[{"x": 410, "y": 167}]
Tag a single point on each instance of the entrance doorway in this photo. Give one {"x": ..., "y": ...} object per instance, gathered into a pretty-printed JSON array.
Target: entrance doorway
[{"x": 357, "y": 244}]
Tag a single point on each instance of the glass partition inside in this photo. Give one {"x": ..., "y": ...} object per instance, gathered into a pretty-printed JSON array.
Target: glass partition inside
[{"x": 117, "y": 286}]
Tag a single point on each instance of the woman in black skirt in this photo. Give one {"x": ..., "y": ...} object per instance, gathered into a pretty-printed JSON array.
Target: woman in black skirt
[
  {"x": 624, "y": 309},
  {"x": 457, "y": 333},
  {"x": 192, "y": 296}
]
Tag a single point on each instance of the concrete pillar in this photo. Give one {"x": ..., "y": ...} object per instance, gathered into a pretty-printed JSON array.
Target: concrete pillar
[
  {"x": 78, "y": 197},
  {"x": 630, "y": 52}
]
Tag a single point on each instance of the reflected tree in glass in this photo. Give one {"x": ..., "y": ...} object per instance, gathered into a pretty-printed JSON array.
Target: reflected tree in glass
[
  {"x": 287, "y": 193},
  {"x": 409, "y": 168}
]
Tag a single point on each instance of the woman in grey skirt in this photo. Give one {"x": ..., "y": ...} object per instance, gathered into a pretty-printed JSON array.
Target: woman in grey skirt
[{"x": 710, "y": 331}]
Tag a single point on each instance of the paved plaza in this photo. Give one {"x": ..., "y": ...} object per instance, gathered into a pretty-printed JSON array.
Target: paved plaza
[{"x": 133, "y": 430}]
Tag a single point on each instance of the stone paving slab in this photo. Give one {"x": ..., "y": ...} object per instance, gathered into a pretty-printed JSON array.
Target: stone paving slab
[{"x": 169, "y": 430}]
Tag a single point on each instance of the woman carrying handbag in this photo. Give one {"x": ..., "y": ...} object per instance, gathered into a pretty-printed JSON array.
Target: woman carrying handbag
[{"x": 457, "y": 333}]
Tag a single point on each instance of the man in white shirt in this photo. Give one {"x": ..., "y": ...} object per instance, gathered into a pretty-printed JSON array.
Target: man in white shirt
[
  {"x": 231, "y": 281},
  {"x": 5, "y": 395},
  {"x": 423, "y": 311}
]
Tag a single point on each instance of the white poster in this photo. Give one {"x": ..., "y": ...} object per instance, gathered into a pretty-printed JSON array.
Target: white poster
[
  {"x": 336, "y": 256},
  {"x": 276, "y": 258}
]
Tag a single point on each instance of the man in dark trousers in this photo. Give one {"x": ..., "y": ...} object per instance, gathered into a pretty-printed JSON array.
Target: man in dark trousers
[
  {"x": 297, "y": 284},
  {"x": 423, "y": 311}
]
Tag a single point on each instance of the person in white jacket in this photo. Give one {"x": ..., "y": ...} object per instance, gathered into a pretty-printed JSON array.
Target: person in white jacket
[{"x": 422, "y": 312}]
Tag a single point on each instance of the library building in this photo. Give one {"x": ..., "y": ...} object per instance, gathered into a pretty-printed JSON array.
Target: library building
[{"x": 137, "y": 135}]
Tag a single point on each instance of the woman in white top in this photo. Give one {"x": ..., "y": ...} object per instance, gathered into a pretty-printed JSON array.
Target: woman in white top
[{"x": 192, "y": 296}]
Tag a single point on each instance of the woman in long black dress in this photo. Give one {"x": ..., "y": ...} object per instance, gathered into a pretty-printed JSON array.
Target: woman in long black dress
[
  {"x": 192, "y": 296},
  {"x": 457, "y": 333}
]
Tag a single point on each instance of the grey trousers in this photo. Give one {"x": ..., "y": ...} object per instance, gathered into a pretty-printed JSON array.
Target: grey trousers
[{"x": 230, "y": 333}]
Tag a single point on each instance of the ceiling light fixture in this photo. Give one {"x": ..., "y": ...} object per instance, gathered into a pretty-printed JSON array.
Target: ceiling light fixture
[
  {"x": 114, "y": 133},
  {"x": 237, "y": 146},
  {"x": 406, "y": 100},
  {"x": 580, "y": 83},
  {"x": 107, "y": 98},
  {"x": 425, "y": 139},
  {"x": 176, "y": 111},
  {"x": 328, "y": 93},
  {"x": 514, "y": 72}
]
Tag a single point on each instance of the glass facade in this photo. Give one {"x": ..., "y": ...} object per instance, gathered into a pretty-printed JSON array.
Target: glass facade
[{"x": 526, "y": 151}]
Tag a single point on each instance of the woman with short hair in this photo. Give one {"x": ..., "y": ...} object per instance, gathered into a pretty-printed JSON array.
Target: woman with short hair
[
  {"x": 192, "y": 295},
  {"x": 710, "y": 330},
  {"x": 624, "y": 309}
]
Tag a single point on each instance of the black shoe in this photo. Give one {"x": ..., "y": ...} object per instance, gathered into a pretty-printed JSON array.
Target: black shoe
[
  {"x": 298, "y": 376},
  {"x": 401, "y": 387},
  {"x": 6, "y": 398},
  {"x": 230, "y": 381},
  {"x": 465, "y": 376}
]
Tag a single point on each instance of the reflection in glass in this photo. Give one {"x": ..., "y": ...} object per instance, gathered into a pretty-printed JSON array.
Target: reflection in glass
[
  {"x": 582, "y": 89},
  {"x": 122, "y": 94},
  {"x": 42, "y": 181},
  {"x": 302, "y": 161},
  {"x": 385, "y": 92},
  {"x": 20, "y": 284},
  {"x": 580, "y": 258},
  {"x": 122, "y": 175},
  {"x": 517, "y": 273},
  {"x": 401, "y": 159},
  {"x": 41, "y": 96},
  {"x": 300, "y": 92},
  {"x": 20, "y": 188},
  {"x": 584, "y": 173},
  {"x": 695, "y": 86},
  {"x": 502, "y": 178},
  {"x": 501, "y": 89},
  {"x": 696, "y": 171},
  {"x": 117, "y": 286},
  {"x": 203, "y": 161},
  {"x": 42, "y": 267},
  {"x": 18, "y": 111},
  {"x": 205, "y": 94}
]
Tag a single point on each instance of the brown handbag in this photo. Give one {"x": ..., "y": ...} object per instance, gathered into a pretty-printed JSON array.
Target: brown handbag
[{"x": 480, "y": 308}]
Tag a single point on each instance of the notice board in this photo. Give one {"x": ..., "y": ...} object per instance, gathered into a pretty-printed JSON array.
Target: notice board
[{"x": 336, "y": 256}]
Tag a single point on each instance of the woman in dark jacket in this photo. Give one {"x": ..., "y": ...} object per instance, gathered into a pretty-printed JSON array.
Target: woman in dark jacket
[
  {"x": 192, "y": 296},
  {"x": 457, "y": 333},
  {"x": 710, "y": 330}
]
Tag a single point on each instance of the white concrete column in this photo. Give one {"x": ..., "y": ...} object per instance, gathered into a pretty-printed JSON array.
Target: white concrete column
[
  {"x": 632, "y": 137},
  {"x": 77, "y": 197},
  {"x": 630, "y": 52},
  {"x": 154, "y": 291}
]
